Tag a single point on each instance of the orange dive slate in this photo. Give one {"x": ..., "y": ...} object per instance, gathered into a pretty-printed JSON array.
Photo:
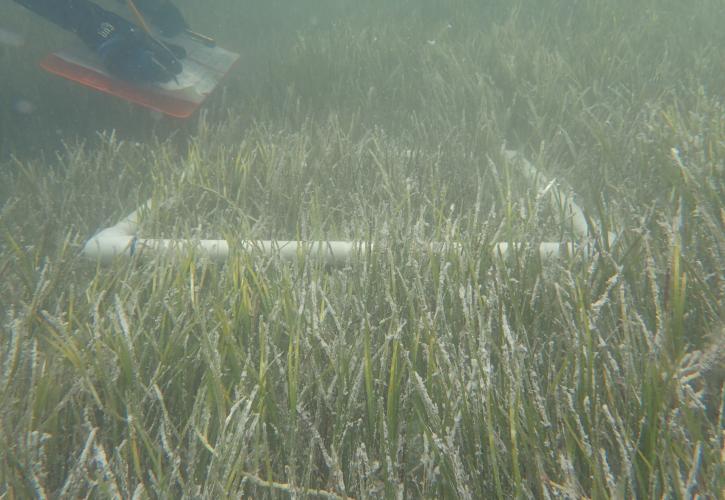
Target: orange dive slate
[{"x": 204, "y": 67}]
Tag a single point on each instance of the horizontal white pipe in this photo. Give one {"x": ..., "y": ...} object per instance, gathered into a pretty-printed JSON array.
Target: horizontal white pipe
[
  {"x": 122, "y": 239},
  {"x": 107, "y": 245}
]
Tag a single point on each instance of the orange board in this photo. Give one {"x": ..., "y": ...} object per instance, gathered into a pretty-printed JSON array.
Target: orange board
[{"x": 204, "y": 68}]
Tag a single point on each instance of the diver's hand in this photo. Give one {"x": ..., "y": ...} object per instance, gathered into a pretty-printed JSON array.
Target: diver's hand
[
  {"x": 168, "y": 19},
  {"x": 133, "y": 58},
  {"x": 130, "y": 54}
]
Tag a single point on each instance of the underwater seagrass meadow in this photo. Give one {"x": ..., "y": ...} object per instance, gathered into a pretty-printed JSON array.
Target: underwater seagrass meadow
[{"x": 404, "y": 372}]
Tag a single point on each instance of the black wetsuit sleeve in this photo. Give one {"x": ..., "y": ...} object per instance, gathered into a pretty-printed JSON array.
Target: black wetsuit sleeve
[
  {"x": 82, "y": 17},
  {"x": 147, "y": 5},
  {"x": 88, "y": 20}
]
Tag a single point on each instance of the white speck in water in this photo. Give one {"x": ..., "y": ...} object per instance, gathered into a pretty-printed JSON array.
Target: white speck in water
[
  {"x": 156, "y": 116},
  {"x": 10, "y": 38},
  {"x": 23, "y": 107}
]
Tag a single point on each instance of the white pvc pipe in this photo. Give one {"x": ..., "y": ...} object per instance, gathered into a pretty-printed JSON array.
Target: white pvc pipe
[
  {"x": 559, "y": 200},
  {"x": 107, "y": 245},
  {"x": 122, "y": 239}
]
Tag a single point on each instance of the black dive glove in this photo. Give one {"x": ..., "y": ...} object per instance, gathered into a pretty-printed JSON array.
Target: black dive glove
[
  {"x": 126, "y": 50},
  {"x": 130, "y": 54},
  {"x": 166, "y": 17}
]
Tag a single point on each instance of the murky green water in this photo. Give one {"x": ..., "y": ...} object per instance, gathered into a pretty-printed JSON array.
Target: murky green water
[{"x": 404, "y": 372}]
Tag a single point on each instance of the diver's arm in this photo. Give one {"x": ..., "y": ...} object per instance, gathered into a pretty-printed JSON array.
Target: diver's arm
[
  {"x": 125, "y": 50},
  {"x": 79, "y": 16},
  {"x": 147, "y": 5},
  {"x": 162, "y": 14},
  {"x": 83, "y": 17}
]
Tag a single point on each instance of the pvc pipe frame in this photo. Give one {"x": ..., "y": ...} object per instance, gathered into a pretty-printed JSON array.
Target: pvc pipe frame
[{"x": 122, "y": 239}]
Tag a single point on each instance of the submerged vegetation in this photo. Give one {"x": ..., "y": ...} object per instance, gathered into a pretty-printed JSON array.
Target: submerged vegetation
[{"x": 403, "y": 373}]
